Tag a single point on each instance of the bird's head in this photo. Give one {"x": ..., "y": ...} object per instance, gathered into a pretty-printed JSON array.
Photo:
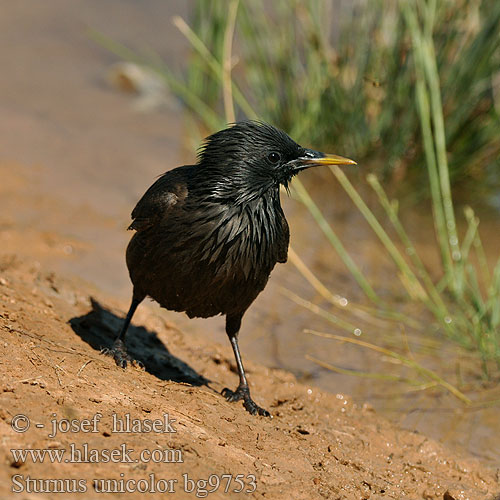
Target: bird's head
[{"x": 250, "y": 158}]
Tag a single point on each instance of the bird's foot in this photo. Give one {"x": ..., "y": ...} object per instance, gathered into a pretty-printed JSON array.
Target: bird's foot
[
  {"x": 119, "y": 353},
  {"x": 243, "y": 392}
]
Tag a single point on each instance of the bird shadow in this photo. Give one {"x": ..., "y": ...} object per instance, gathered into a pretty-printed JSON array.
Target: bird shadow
[{"x": 99, "y": 328}]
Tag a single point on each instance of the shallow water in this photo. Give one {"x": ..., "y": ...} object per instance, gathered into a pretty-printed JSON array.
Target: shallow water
[{"x": 84, "y": 155}]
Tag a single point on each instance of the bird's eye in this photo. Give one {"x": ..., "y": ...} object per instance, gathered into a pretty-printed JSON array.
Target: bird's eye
[{"x": 274, "y": 157}]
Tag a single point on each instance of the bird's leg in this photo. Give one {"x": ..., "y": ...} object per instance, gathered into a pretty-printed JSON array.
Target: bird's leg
[
  {"x": 118, "y": 351},
  {"x": 233, "y": 324}
]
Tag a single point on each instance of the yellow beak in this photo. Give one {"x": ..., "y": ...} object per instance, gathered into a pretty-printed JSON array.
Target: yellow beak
[{"x": 327, "y": 159}]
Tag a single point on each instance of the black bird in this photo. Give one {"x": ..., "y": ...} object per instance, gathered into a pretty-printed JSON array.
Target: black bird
[{"x": 208, "y": 235}]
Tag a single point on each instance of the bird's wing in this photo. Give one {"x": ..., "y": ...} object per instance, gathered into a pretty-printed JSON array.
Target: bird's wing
[{"x": 169, "y": 190}]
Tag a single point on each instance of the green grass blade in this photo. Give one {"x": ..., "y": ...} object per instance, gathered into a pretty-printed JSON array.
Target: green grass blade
[
  {"x": 405, "y": 361},
  {"x": 334, "y": 241}
]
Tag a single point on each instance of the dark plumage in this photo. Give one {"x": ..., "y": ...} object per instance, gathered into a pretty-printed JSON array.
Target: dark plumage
[{"x": 208, "y": 235}]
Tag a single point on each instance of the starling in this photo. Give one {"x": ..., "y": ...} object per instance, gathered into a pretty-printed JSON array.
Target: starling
[{"x": 208, "y": 235}]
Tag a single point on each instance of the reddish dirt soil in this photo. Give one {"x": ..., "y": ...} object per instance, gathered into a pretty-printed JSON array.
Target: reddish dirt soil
[{"x": 317, "y": 445}]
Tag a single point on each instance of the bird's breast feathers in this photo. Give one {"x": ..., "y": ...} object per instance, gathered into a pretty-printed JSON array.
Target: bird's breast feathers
[{"x": 249, "y": 238}]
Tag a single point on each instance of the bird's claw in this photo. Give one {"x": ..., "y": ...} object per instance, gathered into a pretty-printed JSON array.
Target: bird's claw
[
  {"x": 119, "y": 353},
  {"x": 233, "y": 396},
  {"x": 254, "y": 408},
  {"x": 249, "y": 404}
]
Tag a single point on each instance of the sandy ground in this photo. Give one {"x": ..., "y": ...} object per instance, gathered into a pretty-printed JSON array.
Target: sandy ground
[{"x": 317, "y": 445}]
